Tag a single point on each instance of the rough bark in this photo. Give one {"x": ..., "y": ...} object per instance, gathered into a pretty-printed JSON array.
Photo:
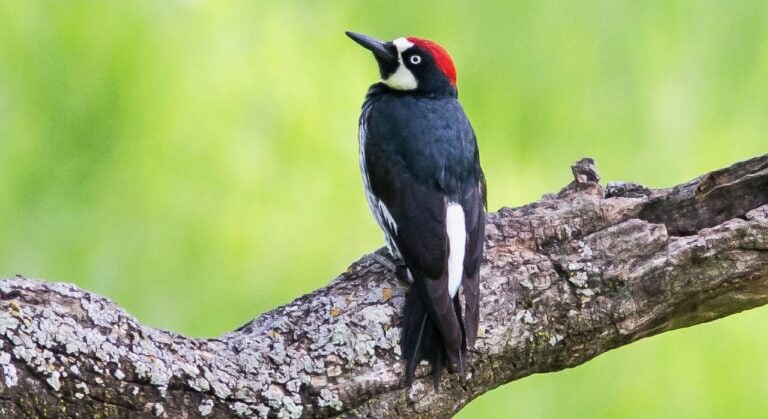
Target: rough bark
[{"x": 565, "y": 279}]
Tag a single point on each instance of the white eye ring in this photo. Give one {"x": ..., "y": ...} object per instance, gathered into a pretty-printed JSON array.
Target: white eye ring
[{"x": 415, "y": 59}]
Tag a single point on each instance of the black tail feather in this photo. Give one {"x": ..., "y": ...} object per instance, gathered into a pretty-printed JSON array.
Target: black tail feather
[
  {"x": 418, "y": 332},
  {"x": 437, "y": 368},
  {"x": 463, "y": 350},
  {"x": 422, "y": 340}
]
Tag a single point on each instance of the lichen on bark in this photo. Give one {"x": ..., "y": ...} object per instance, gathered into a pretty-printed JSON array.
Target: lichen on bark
[{"x": 565, "y": 279}]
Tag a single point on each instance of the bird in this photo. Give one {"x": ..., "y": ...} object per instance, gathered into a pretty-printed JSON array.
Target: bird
[{"x": 423, "y": 181}]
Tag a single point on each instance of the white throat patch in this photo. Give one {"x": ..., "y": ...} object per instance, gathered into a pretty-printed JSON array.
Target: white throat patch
[{"x": 402, "y": 78}]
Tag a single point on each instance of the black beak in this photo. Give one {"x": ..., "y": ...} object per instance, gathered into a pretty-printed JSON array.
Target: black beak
[{"x": 384, "y": 52}]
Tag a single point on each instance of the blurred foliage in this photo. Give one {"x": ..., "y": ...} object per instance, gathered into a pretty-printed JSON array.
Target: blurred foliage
[{"x": 197, "y": 161}]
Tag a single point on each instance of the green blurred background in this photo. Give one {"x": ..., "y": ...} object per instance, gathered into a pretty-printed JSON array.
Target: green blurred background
[{"x": 197, "y": 163}]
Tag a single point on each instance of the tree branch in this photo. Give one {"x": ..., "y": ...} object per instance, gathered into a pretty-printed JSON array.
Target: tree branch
[{"x": 566, "y": 278}]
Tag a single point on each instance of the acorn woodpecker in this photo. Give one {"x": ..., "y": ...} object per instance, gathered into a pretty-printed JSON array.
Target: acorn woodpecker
[{"x": 423, "y": 182}]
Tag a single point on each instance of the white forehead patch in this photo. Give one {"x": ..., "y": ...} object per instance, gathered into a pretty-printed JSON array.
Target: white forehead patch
[
  {"x": 402, "y": 44},
  {"x": 402, "y": 78}
]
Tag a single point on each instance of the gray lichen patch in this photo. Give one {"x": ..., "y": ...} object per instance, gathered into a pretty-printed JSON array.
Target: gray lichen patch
[
  {"x": 10, "y": 375},
  {"x": 53, "y": 380},
  {"x": 206, "y": 407},
  {"x": 328, "y": 399},
  {"x": 83, "y": 388},
  {"x": 7, "y": 321}
]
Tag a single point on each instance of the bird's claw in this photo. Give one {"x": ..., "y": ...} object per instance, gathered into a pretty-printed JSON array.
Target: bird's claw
[
  {"x": 383, "y": 261},
  {"x": 396, "y": 266}
]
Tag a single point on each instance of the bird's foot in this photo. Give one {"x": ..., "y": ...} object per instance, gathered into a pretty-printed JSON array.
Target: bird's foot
[
  {"x": 385, "y": 262},
  {"x": 396, "y": 266}
]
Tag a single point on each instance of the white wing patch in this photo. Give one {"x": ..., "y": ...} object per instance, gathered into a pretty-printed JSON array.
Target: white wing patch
[{"x": 457, "y": 241}]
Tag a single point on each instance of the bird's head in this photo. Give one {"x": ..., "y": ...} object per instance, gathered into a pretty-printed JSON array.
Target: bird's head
[{"x": 412, "y": 64}]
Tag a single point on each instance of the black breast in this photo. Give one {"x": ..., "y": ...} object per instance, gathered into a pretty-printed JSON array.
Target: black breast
[{"x": 429, "y": 137}]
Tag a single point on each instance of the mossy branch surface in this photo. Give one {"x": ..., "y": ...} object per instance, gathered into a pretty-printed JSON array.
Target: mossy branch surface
[{"x": 566, "y": 278}]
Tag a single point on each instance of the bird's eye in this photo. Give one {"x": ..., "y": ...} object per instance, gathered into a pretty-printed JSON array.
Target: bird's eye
[{"x": 415, "y": 59}]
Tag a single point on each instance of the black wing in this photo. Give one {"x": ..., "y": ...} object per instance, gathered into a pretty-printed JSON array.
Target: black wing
[
  {"x": 418, "y": 212},
  {"x": 474, "y": 204}
]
